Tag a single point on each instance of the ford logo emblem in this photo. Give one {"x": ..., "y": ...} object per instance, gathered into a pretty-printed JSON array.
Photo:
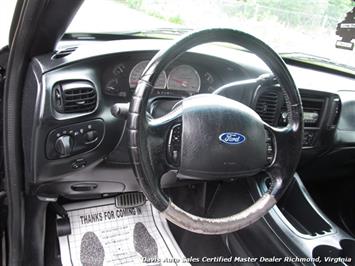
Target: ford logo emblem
[{"x": 232, "y": 138}]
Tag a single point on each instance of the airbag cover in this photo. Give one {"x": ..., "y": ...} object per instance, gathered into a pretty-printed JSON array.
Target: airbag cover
[{"x": 221, "y": 138}]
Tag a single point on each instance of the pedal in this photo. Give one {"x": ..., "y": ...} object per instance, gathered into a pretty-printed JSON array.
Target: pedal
[{"x": 130, "y": 200}]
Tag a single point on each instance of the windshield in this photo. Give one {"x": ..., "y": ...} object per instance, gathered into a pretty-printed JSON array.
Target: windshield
[
  {"x": 303, "y": 28},
  {"x": 6, "y": 11}
]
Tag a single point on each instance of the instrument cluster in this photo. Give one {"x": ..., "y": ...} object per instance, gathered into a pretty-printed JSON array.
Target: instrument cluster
[{"x": 180, "y": 78}]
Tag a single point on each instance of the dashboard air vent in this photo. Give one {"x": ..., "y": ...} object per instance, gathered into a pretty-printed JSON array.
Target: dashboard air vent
[
  {"x": 266, "y": 106},
  {"x": 74, "y": 97},
  {"x": 64, "y": 52}
]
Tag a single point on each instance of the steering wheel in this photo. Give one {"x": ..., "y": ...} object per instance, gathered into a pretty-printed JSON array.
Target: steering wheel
[{"x": 218, "y": 137}]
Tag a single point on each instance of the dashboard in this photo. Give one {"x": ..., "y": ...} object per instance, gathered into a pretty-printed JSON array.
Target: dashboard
[{"x": 75, "y": 147}]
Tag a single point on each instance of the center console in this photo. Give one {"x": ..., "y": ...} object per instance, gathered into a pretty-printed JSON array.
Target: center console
[{"x": 299, "y": 223}]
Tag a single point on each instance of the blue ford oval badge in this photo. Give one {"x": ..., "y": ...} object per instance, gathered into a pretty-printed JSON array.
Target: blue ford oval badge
[{"x": 232, "y": 138}]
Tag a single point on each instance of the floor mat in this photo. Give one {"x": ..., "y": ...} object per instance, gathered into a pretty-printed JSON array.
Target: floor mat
[{"x": 102, "y": 234}]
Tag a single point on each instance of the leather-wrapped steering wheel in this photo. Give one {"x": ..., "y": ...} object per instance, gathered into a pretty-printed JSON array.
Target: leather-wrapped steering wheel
[{"x": 219, "y": 137}]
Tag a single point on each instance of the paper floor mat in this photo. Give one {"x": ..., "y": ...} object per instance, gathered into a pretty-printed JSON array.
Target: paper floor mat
[{"x": 102, "y": 234}]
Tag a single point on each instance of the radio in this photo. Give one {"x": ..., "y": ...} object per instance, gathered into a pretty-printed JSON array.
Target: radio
[{"x": 310, "y": 118}]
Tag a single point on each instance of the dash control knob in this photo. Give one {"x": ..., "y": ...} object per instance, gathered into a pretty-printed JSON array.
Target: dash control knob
[
  {"x": 64, "y": 145},
  {"x": 91, "y": 136}
]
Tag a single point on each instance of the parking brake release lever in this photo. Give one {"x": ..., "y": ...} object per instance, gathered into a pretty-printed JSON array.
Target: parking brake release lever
[{"x": 63, "y": 223}]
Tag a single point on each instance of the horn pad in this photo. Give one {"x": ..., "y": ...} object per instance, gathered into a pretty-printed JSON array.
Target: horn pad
[{"x": 221, "y": 138}]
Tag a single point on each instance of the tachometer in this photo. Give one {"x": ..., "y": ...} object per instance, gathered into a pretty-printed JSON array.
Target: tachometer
[
  {"x": 184, "y": 77},
  {"x": 137, "y": 71}
]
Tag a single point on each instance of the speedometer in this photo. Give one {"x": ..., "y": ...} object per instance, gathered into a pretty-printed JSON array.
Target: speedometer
[
  {"x": 137, "y": 71},
  {"x": 184, "y": 77}
]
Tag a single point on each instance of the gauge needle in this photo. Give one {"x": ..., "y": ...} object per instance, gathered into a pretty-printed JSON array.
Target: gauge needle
[{"x": 182, "y": 82}]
